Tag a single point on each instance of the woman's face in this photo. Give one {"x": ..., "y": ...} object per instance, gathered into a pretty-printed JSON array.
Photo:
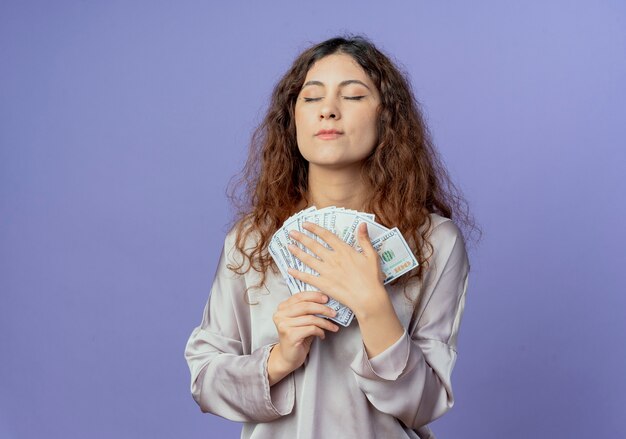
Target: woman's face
[{"x": 337, "y": 95}]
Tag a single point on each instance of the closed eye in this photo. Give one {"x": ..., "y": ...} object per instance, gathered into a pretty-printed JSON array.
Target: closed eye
[{"x": 353, "y": 98}]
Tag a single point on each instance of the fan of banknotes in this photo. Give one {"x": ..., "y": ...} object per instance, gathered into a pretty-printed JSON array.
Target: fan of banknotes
[{"x": 395, "y": 255}]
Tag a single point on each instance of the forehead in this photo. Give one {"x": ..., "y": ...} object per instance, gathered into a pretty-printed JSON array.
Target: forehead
[{"x": 337, "y": 68}]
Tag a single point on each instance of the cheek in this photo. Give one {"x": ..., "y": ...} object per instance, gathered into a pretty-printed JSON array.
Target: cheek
[
  {"x": 302, "y": 146},
  {"x": 300, "y": 127},
  {"x": 369, "y": 133},
  {"x": 302, "y": 121},
  {"x": 305, "y": 128},
  {"x": 302, "y": 141}
]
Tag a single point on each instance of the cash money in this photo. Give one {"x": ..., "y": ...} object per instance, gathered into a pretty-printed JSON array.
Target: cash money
[{"x": 395, "y": 255}]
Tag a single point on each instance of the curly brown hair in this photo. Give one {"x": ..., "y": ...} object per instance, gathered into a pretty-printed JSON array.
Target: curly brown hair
[{"x": 275, "y": 176}]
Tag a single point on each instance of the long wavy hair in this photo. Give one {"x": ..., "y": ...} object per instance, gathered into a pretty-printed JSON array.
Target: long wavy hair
[{"x": 406, "y": 177}]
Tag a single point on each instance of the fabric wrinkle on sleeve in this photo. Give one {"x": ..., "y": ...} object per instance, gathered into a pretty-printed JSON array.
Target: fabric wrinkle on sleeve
[
  {"x": 281, "y": 395},
  {"x": 225, "y": 379},
  {"x": 387, "y": 365},
  {"x": 411, "y": 379}
]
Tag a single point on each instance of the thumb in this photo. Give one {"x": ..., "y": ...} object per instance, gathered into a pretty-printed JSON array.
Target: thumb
[{"x": 363, "y": 239}]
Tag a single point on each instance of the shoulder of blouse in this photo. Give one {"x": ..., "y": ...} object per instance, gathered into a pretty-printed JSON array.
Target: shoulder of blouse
[
  {"x": 437, "y": 220},
  {"x": 446, "y": 230},
  {"x": 443, "y": 230}
]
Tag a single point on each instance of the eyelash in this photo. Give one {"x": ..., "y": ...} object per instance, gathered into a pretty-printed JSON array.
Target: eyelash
[{"x": 352, "y": 98}]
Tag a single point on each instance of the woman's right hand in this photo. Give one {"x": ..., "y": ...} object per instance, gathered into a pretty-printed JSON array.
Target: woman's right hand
[{"x": 297, "y": 324}]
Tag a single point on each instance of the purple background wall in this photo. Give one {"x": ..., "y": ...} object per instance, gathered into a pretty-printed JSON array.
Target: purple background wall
[{"x": 121, "y": 123}]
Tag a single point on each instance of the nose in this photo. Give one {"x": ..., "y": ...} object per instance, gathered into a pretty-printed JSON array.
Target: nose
[{"x": 329, "y": 110}]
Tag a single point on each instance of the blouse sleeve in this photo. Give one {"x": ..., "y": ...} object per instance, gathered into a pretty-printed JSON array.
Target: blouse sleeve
[
  {"x": 226, "y": 379},
  {"x": 411, "y": 379}
]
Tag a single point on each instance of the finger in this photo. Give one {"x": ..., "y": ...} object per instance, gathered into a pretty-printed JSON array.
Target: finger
[
  {"x": 312, "y": 320},
  {"x": 300, "y": 333},
  {"x": 363, "y": 239},
  {"x": 326, "y": 235},
  {"x": 381, "y": 273},
  {"x": 309, "y": 308},
  {"x": 309, "y": 243},
  {"x": 308, "y": 259},
  {"x": 309, "y": 340},
  {"x": 305, "y": 277},
  {"x": 312, "y": 296}
]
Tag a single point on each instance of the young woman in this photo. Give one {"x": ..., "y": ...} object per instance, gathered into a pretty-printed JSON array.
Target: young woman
[{"x": 343, "y": 129}]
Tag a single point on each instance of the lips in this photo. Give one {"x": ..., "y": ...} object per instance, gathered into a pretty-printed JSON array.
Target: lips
[{"x": 321, "y": 132}]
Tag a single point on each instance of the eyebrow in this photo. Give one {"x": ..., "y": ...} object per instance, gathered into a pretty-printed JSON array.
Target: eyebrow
[{"x": 341, "y": 84}]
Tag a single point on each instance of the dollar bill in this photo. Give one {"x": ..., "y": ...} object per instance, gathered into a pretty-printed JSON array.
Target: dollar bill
[{"x": 396, "y": 256}]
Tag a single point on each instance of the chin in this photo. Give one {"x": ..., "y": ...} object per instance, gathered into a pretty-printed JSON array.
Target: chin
[{"x": 335, "y": 164}]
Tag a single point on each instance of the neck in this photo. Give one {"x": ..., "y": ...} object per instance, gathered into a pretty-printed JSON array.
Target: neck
[{"x": 333, "y": 187}]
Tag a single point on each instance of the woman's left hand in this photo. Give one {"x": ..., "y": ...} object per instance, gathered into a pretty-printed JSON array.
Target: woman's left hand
[{"x": 352, "y": 278}]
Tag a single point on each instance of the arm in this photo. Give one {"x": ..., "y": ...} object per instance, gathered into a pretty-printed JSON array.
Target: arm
[
  {"x": 226, "y": 380},
  {"x": 411, "y": 378}
]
